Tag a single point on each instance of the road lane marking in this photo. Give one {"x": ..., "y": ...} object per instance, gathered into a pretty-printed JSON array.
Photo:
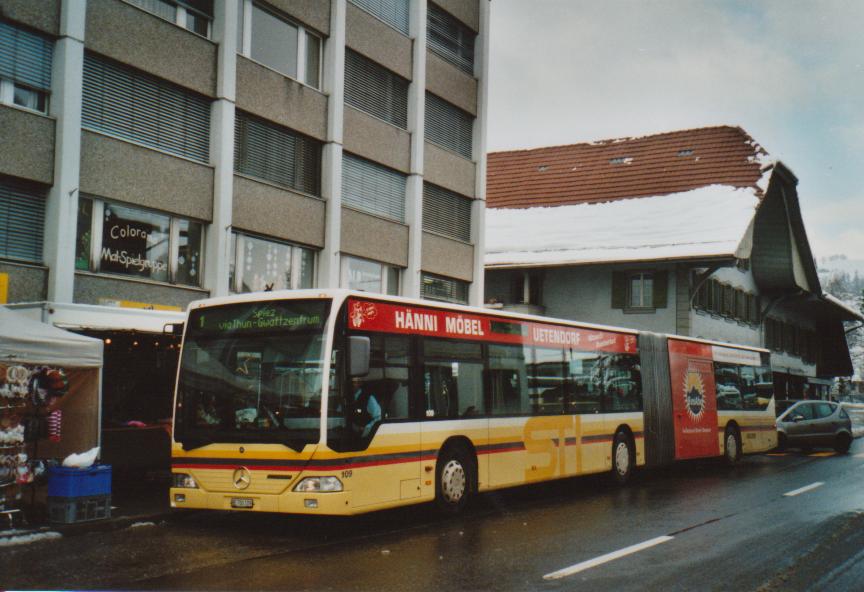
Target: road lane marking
[
  {"x": 804, "y": 489},
  {"x": 574, "y": 569}
]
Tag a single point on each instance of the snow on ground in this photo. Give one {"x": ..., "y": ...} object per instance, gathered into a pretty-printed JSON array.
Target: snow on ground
[
  {"x": 702, "y": 222},
  {"x": 19, "y": 537}
]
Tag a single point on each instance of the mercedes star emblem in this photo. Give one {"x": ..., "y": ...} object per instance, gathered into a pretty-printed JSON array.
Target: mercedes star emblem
[{"x": 242, "y": 478}]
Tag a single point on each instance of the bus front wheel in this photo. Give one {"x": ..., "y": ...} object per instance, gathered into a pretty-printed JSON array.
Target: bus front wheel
[
  {"x": 453, "y": 480},
  {"x": 622, "y": 458}
]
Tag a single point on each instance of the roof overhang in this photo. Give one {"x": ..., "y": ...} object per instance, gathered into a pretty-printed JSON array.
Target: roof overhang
[
  {"x": 841, "y": 309},
  {"x": 95, "y": 317}
]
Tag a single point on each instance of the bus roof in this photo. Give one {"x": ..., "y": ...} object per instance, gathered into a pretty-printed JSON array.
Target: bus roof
[{"x": 340, "y": 295}]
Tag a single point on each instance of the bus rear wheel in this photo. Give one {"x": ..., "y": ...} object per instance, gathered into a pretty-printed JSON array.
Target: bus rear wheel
[
  {"x": 454, "y": 480},
  {"x": 731, "y": 445},
  {"x": 622, "y": 458}
]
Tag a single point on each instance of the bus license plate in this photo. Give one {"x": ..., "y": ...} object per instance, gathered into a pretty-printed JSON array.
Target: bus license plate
[{"x": 241, "y": 502}]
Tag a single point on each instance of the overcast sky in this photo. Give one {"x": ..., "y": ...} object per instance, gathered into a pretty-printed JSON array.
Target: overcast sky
[{"x": 790, "y": 72}]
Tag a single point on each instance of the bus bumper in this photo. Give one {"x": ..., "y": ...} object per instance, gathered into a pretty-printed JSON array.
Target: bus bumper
[{"x": 330, "y": 503}]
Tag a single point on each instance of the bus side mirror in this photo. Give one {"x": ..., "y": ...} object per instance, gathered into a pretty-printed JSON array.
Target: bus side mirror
[{"x": 358, "y": 355}]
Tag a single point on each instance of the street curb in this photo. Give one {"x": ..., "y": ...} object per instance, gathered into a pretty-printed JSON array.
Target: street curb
[{"x": 118, "y": 523}]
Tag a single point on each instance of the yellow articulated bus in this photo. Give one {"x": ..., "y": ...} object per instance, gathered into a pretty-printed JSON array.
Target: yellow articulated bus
[{"x": 340, "y": 402}]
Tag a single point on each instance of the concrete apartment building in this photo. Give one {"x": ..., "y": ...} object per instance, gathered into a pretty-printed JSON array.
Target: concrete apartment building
[{"x": 160, "y": 151}]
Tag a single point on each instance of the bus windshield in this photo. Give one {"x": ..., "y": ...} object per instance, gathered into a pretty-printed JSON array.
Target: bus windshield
[{"x": 251, "y": 372}]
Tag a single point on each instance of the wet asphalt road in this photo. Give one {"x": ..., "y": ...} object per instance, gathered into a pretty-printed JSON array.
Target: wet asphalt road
[{"x": 729, "y": 529}]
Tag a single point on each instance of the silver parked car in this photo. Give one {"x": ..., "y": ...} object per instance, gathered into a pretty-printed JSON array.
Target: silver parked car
[{"x": 810, "y": 424}]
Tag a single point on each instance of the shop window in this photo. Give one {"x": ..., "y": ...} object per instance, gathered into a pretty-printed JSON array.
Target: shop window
[
  {"x": 134, "y": 242},
  {"x": 25, "y": 68},
  {"x": 193, "y": 15},
  {"x": 257, "y": 264},
  {"x": 279, "y": 43},
  {"x": 369, "y": 276}
]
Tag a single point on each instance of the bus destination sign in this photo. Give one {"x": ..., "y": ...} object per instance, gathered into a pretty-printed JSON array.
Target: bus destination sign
[{"x": 257, "y": 317}]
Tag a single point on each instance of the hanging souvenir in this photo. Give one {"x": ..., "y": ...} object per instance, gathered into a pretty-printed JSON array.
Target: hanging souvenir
[{"x": 46, "y": 384}]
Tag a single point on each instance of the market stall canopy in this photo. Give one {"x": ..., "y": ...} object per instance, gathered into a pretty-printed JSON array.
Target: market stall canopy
[{"x": 28, "y": 341}]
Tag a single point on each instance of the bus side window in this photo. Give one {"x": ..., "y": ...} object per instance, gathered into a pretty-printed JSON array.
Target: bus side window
[
  {"x": 727, "y": 383},
  {"x": 452, "y": 378},
  {"x": 622, "y": 384},
  {"x": 508, "y": 389},
  {"x": 387, "y": 379}
]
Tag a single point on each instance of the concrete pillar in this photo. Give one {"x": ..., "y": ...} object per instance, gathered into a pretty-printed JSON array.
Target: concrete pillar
[
  {"x": 331, "y": 162},
  {"x": 218, "y": 247},
  {"x": 478, "y": 209},
  {"x": 61, "y": 211},
  {"x": 416, "y": 117}
]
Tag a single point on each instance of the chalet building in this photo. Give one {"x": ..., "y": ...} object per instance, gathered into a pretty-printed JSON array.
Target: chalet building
[{"x": 694, "y": 232}]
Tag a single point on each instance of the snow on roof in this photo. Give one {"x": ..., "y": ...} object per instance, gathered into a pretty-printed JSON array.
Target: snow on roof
[{"x": 706, "y": 222}]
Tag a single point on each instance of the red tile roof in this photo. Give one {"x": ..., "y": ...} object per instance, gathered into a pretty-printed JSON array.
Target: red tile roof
[{"x": 609, "y": 170}]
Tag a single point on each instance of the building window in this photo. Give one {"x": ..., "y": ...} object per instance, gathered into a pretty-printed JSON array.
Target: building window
[
  {"x": 450, "y": 39},
  {"x": 369, "y": 276},
  {"x": 25, "y": 68},
  {"x": 392, "y": 12},
  {"x": 123, "y": 240},
  {"x": 276, "y": 154},
  {"x": 22, "y": 221},
  {"x": 193, "y": 15},
  {"x": 132, "y": 105},
  {"x": 639, "y": 290},
  {"x": 279, "y": 43},
  {"x": 436, "y": 287},
  {"x": 375, "y": 90},
  {"x": 257, "y": 264},
  {"x": 373, "y": 188},
  {"x": 449, "y": 126},
  {"x": 446, "y": 213},
  {"x": 526, "y": 287}
]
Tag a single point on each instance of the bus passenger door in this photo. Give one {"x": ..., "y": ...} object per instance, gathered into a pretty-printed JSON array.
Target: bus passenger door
[{"x": 694, "y": 400}]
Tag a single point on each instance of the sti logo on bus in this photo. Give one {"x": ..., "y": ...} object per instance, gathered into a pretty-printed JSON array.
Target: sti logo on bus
[{"x": 694, "y": 394}]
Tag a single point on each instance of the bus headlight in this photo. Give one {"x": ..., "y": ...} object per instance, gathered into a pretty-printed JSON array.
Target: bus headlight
[
  {"x": 318, "y": 485},
  {"x": 185, "y": 481}
]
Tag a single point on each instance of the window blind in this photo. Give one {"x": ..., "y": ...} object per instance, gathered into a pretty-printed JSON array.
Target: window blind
[
  {"x": 373, "y": 188},
  {"x": 446, "y": 212},
  {"x": 276, "y": 154},
  {"x": 25, "y": 57},
  {"x": 129, "y": 104},
  {"x": 450, "y": 39},
  {"x": 449, "y": 126},
  {"x": 22, "y": 221},
  {"x": 392, "y": 12},
  {"x": 436, "y": 287},
  {"x": 375, "y": 90}
]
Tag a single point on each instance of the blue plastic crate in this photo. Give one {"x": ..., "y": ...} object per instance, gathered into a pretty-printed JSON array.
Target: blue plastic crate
[
  {"x": 69, "y": 510},
  {"x": 70, "y": 482}
]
